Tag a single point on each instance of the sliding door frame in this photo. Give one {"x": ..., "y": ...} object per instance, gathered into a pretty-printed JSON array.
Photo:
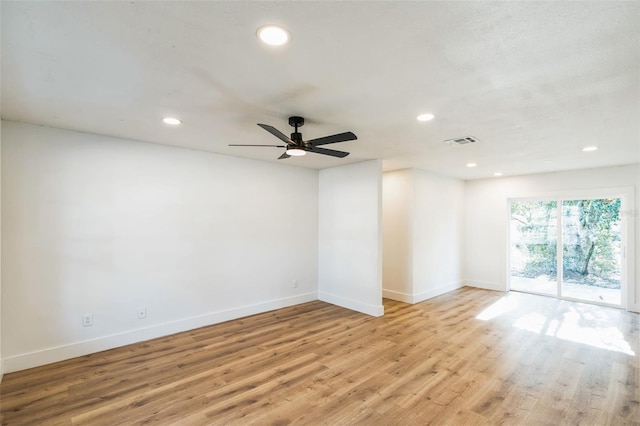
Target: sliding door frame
[{"x": 627, "y": 237}]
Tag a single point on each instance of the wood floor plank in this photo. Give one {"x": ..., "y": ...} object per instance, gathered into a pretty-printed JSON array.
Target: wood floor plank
[{"x": 454, "y": 359}]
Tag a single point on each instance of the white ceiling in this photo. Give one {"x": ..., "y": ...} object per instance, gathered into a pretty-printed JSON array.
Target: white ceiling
[{"x": 533, "y": 81}]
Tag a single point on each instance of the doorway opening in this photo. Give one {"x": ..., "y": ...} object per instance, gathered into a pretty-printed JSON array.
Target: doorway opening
[{"x": 571, "y": 248}]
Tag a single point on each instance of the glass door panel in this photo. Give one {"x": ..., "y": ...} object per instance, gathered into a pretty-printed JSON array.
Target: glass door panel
[
  {"x": 533, "y": 239},
  {"x": 591, "y": 250}
]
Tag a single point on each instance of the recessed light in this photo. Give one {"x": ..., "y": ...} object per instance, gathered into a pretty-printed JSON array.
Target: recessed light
[
  {"x": 273, "y": 35},
  {"x": 497, "y": 174},
  {"x": 471, "y": 165},
  {"x": 589, "y": 148},
  {"x": 171, "y": 121},
  {"x": 425, "y": 117}
]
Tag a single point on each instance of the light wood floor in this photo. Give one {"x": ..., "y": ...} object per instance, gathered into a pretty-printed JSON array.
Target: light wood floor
[{"x": 524, "y": 360}]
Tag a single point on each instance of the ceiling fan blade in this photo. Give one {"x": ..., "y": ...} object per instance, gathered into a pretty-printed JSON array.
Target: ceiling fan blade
[
  {"x": 272, "y": 146},
  {"x": 340, "y": 137},
  {"x": 283, "y": 156},
  {"x": 331, "y": 152},
  {"x": 275, "y": 132}
]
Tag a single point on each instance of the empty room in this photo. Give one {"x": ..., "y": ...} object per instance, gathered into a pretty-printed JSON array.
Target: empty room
[{"x": 320, "y": 213}]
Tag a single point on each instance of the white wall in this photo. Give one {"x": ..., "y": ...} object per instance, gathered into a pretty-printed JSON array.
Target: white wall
[
  {"x": 350, "y": 234},
  {"x": 486, "y": 219},
  {"x": 101, "y": 225},
  {"x": 397, "y": 234},
  {"x": 1, "y": 356},
  {"x": 423, "y": 231}
]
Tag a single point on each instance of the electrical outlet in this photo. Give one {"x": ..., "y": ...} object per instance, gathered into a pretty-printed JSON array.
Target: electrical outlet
[
  {"x": 87, "y": 320},
  {"x": 294, "y": 284},
  {"x": 142, "y": 312}
]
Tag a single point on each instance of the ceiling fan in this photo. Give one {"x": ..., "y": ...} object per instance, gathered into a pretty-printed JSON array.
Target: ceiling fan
[{"x": 295, "y": 146}]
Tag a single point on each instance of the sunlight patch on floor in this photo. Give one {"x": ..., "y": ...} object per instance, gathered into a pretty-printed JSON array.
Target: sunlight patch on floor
[
  {"x": 502, "y": 306},
  {"x": 576, "y": 322}
]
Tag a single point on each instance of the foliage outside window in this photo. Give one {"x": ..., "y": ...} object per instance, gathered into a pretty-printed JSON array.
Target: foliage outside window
[{"x": 591, "y": 240}]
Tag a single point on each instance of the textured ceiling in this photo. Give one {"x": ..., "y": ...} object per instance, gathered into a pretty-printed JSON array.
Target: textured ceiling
[{"x": 533, "y": 81}]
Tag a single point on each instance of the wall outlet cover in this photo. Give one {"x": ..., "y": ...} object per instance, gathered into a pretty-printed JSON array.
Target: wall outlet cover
[
  {"x": 87, "y": 320},
  {"x": 142, "y": 313}
]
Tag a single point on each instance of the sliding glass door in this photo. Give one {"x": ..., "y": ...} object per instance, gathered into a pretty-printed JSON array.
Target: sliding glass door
[
  {"x": 534, "y": 237},
  {"x": 591, "y": 250},
  {"x": 569, "y": 248}
]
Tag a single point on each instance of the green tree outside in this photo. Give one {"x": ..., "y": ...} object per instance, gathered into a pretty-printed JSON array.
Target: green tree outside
[{"x": 591, "y": 240}]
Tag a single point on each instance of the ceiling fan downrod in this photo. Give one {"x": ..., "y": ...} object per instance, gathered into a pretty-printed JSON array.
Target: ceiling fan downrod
[{"x": 296, "y": 122}]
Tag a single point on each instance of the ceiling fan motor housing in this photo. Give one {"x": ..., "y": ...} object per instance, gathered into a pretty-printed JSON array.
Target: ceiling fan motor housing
[{"x": 296, "y": 137}]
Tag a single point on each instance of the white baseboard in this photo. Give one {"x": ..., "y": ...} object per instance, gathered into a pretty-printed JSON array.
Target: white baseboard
[
  {"x": 422, "y": 296},
  {"x": 486, "y": 285},
  {"x": 354, "y": 305},
  {"x": 397, "y": 295},
  {"x": 446, "y": 288},
  {"x": 60, "y": 353}
]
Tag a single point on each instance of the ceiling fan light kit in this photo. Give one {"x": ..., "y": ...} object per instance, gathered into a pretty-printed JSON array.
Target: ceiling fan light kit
[
  {"x": 295, "y": 152},
  {"x": 296, "y": 146}
]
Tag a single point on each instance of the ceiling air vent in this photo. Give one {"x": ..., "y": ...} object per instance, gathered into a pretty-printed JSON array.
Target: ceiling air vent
[{"x": 461, "y": 141}]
